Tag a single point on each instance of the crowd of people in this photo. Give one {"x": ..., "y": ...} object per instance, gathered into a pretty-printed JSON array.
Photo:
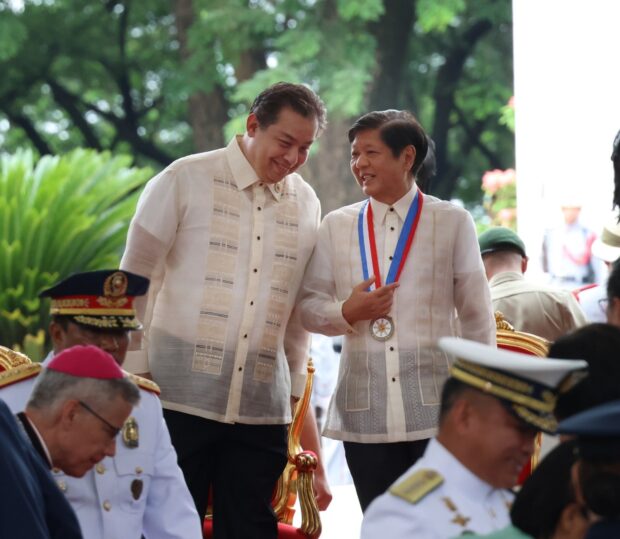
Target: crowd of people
[{"x": 228, "y": 267}]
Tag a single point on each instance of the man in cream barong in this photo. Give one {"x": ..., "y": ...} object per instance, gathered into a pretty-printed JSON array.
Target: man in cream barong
[
  {"x": 419, "y": 255},
  {"x": 224, "y": 237}
]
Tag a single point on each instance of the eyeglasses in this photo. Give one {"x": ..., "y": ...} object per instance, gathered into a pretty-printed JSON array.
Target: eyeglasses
[{"x": 114, "y": 429}]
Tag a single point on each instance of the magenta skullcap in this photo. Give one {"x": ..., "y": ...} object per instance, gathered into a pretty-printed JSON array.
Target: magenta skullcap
[{"x": 86, "y": 362}]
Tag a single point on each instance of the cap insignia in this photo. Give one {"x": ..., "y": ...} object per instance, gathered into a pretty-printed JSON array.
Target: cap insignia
[{"x": 115, "y": 285}]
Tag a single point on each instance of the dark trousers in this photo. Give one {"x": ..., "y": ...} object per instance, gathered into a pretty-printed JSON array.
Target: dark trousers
[
  {"x": 240, "y": 462},
  {"x": 374, "y": 467}
]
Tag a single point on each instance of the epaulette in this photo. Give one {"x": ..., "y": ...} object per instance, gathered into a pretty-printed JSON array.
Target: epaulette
[
  {"x": 19, "y": 374},
  {"x": 415, "y": 487},
  {"x": 144, "y": 383}
]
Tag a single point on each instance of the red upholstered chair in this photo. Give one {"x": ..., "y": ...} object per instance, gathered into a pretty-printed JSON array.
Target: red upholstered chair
[
  {"x": 526, "y": 343},
  {"x": 295, "y": 481}
]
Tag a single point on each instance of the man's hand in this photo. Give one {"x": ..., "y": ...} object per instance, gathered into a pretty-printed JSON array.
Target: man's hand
[
  {"x": 322, "y": 492},
  {"x": 364, "y": 305}
]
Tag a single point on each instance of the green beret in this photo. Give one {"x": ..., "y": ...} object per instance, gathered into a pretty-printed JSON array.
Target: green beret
[{"x": 500, "y": 238}]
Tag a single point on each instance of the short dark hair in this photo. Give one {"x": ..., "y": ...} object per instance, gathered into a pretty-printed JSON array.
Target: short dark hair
[
  {"x": 598, "y": 344},
  {"x": 397, "y": 129},
  {"x": 599, "y": 481},
  {"x": 613, "y": 281},
  {"x": 550, "y": 487},
  {"x": 452, "y": 390},
  {"x": 300, "y": 98},
  {"x": 428, "y": 170}
]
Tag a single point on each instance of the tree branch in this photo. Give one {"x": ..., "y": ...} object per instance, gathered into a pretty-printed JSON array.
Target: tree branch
[
  {"x": 446, "y": 83},
  {"x": 22, "y": 121},
  {"x": 70, "y": 104},
  {"x": 474, "y": 135}
]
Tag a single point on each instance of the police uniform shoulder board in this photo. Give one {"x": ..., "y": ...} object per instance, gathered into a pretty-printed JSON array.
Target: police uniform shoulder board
[
  {"x": 143, "y": 383},
  {"x": 415, "y": 487},
  {"x": 19, "y": 374}
]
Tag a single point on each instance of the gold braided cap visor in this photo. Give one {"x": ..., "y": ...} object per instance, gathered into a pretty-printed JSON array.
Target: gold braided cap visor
[{"x": 537, "y": 412}]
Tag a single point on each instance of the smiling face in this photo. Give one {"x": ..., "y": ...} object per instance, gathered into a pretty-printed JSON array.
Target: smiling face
[
  {"x": 501, "y": 444},
  {"x": 381, "y": 175},
  {"x": 282, "y": 147}
]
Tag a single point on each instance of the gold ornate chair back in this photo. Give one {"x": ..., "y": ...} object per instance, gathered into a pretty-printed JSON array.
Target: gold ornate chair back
[
  {"x": 296, "y": 479},
  {"x": 10, "y": 359},
  {"x": 526, "y": 343}
]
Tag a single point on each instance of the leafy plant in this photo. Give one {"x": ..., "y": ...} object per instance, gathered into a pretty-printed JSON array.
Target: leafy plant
[{"x": 58, "y": 215}]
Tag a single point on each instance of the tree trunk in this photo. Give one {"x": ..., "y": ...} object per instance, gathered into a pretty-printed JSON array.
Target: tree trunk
[
  {"x": 392, "y": 32},
  {"x": 207, "y": 112},
  {"x": 446, "y": 83},
  {"x": 328, "y": 170}
]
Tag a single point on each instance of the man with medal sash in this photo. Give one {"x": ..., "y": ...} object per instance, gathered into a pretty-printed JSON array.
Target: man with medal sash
[{"x": 391, "y": 273}]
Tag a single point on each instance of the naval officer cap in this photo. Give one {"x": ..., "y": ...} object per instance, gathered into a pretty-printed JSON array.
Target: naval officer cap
[
  {"x": 527, "y": 385},
  {"x": 597, "y": 431},
  {"x": 99, "y": 299},
  {"x": 500, "y": 238}
]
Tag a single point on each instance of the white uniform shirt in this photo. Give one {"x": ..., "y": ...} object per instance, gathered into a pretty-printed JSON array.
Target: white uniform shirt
[
  {"x": 225, "y": 254},
  {"x": 593, "y": 303},
  {"x": 463, "y": 502},
  {"x": 103, "y": 500},
  {"x": 390, "y": 391}
]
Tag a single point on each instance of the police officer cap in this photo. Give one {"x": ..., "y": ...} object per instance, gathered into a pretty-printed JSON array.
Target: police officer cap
[
  {"x": 99, "y": 299},
  {"x": 526, "y": 384},
  {"x": 500, "y": 238},
  {"x": 597, "y": 431}
]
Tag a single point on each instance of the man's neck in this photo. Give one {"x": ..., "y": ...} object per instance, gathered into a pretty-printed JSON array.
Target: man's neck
[{"x": 37, "y": 434}]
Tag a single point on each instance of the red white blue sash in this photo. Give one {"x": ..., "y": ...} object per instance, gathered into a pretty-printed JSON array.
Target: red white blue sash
[{"x": 368, "y": 245}]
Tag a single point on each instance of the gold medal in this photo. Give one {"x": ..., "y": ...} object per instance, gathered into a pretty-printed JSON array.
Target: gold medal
[{"x": 382, "y": 328}]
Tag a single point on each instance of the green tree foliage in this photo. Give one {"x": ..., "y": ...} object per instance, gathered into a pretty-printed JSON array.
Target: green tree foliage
[
  {"x": 59, "y": 215},
  {"x": 161, "y": 78}
]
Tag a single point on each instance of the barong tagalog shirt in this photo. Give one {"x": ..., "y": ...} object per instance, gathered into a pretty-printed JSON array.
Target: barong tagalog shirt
[
  {"x": 390, "y": 391},
  {"x": 225, "y": 253}
]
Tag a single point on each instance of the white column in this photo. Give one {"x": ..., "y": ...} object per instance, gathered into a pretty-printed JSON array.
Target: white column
[{"x": 567, "y": 104}]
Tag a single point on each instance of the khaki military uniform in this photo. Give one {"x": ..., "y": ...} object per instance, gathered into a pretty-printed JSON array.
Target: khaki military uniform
[{"x": 535, "y": 308}]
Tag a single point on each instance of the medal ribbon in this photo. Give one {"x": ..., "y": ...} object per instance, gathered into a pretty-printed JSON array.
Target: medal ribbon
[{"x": 368, "y": 246}]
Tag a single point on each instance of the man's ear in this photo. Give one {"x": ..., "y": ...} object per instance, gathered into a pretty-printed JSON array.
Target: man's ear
[
  {"x": 57, "y": 333},
  {"x": 463, "y": 412},
  {"x": 524, "y": 262},
  {"x": 251, "y": 124},
  {"x": 409, "y": 153},
  {"x": 68, "y": 412}
]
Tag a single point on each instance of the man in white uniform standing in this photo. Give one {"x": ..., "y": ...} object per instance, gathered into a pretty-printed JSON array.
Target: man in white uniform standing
[{"x": 492, "y": 406}]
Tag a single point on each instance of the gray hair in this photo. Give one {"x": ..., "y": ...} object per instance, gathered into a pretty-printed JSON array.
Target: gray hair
[{"x": 54, "y": 388}]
